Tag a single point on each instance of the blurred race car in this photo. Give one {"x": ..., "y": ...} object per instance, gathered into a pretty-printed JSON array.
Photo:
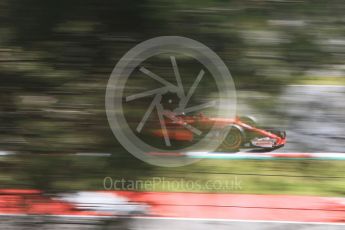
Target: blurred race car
[{"x": 240, "y": 132}]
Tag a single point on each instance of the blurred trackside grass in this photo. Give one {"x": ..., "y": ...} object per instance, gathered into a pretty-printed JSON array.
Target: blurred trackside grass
[
  {"x": 69, "y": 173},
  {"x": 313, "y": 80}
]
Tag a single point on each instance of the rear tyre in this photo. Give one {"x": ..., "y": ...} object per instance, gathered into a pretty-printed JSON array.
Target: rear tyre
[{"x": 249, "y": 120}]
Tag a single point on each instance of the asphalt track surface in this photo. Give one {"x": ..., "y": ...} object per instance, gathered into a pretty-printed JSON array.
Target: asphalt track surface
[
  {"x": 206, "y": 224},
  {"x": 154, "y": 223},
  {"x": 267, "y": 156},
  {"x": 243, "y": 155}
]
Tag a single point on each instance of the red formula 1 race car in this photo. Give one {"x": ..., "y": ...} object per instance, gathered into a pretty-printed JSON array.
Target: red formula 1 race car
[{"x": 241, "y": 132}]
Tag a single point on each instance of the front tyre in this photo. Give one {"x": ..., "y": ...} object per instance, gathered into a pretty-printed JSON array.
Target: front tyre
[{"x": 234, "y": 139}]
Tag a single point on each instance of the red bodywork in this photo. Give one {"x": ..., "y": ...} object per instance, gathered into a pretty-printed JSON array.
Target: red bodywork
[{"x": 176, "y": 129}]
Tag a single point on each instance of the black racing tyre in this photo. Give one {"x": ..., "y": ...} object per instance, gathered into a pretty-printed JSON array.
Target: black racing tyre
[
  {"x": 249, "y": 120},
  {"x": 234, "y": 139}
]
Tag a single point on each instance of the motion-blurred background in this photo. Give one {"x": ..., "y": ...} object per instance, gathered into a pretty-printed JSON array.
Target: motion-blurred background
[
  {"x": 56, "y": 58},
  {"x": 286, "y": 58}
]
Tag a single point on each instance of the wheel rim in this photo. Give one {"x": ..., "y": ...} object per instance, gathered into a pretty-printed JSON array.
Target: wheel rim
[{"x": 233, "y": 140}]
